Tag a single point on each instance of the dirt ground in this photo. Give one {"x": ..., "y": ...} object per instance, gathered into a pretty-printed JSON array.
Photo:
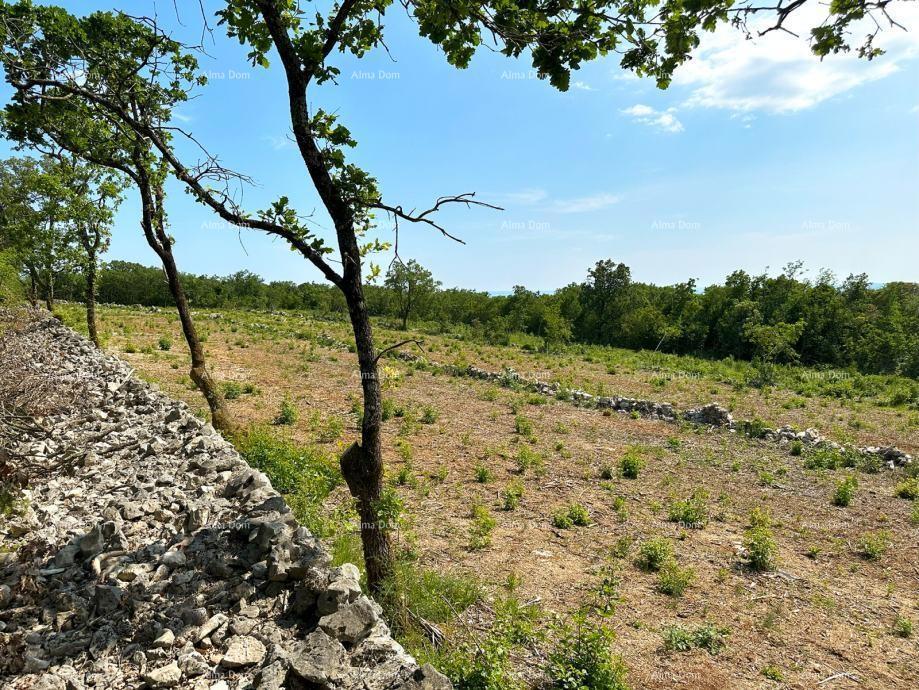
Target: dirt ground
[{"x": 824, "y": 618}]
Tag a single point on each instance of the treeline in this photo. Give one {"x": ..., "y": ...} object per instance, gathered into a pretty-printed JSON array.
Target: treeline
[{"x": 781, "y": 319}]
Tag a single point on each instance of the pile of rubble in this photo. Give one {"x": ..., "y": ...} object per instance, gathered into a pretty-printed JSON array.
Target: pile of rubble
[{"x": 152, "y": 556}]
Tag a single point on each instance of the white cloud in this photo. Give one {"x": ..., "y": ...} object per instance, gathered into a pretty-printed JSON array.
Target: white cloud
[
  {"x": 665, "y": 120},
  {"x": 778, "y": 73},
  {"x": 525, "y": 197},
  {"x": 276, "y": 143},
  {"x": 585, "y": 204},
  {"x": 583, "y": 86}
]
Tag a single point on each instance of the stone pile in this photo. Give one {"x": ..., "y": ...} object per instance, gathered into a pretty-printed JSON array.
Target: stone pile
[{"x": 156, "y": 557}]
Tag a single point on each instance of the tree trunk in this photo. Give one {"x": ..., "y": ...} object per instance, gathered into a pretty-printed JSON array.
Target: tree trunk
[
  {"x": 91, "y": 298},
  {"x": 49, "y": 292},
  {"x": 158, "y": 239},
  {"x": 362, "y": 465},
  {"x": 33, "y": 288}
]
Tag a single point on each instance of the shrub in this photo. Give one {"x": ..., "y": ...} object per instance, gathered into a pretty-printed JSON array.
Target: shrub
[
  {"x": 561, "y": 519},
  {"x": 673, "y": 579},
  {"x": 482, "y": 473},
  {"x": 288, "y": 414},
  {"x": 654, "y": 553},
  {"x": 482, "y": 526},
  {"x": 10, "y": 286},
  {"x": 760, "y": 548},
  {"x": 772, "y": 673},
  {"x": 164, "y": 343},
  {"x": 872, "y": 545},
  {"x": 231, "y": 390},
  {"x": 759, "y": 517},
  {"x": 529, "y": 459},
  {"x": 574, "y": 514},
  {"x": 582, "y": 660},
  {"x": 908, "y": 489},
  {"x": 691, "y": 512},
  {"x": 512, "y": 495},
  {"x": 523, "y": 426},
  {"x": 707, "y": 637},
  {"x": 428, "y": 415},
  {"x": 606, "y": 471},
  {"x": 903, "y": 627},
  {"x": 845, "y": 490},
  {"x": 630, "y": 464},
  {"x": 796, "y": 447}
]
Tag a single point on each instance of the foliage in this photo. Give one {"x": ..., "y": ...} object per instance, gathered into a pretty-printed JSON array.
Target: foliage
[
  {"x": 845, "y": 490},
  {"x": 631, "y": 463},
  {"x": 654, "y": 553},
  {"x": 692, "y": 511},
  {"x": 673, "y": 579},
  {"x": 708, "y": 637},
  {"x": 760, "y": 548},
  {"x": 582, "y": 658}
]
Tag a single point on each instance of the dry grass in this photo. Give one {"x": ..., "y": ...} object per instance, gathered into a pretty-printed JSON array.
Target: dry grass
[{"x": 825, "y": 610}]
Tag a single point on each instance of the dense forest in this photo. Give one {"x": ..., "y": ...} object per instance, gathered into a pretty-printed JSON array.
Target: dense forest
[{"x": 783, "y": 318}]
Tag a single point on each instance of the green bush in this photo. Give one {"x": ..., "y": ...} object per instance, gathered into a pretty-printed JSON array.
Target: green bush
[
  {"x": 574, "y": 514},
  {"x": 11, "y": 291},
  {"x": 673, "y": 579},
  {"x": 845, "y": 490},
  {"x": 164, "y": 343},
  {"x": 288, "y": 414},
  {"x": 908, "y": 489},
  {"x": 760, "y": 548},
  {"x": 707, "y": 637},
  {"x": 482, "y": 526},
  {"x": 512, "y": 495},
  {"x": 630, "y": 464},
  {"x": 872, "y": 545},
  {"x": 231, "y": 390},
  {"x": 691, "y": 512},
  {"x": 654, "y": 553},
  {"x": 582, "y": 658}
]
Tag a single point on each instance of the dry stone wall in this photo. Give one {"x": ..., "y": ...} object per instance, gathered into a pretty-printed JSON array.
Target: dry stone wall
[{"x": 153, "y": 556}]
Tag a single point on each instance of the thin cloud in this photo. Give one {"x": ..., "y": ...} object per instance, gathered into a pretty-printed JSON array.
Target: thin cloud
[
  {"x": 778, "y": 73},
  {"x": 585, "y": 204},
  {"x": 582, "y": 86},
  {"x": 664, "y": 120}
]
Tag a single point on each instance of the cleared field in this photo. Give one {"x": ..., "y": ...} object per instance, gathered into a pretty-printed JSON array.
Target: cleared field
[{"x": 495, "y": 482}]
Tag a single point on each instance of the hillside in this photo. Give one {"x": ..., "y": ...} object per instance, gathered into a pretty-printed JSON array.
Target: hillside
[{"x": 517, "y": 506}]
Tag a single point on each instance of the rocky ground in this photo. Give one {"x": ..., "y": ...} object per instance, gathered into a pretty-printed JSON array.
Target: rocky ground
[{"x": 146, "y": 553}]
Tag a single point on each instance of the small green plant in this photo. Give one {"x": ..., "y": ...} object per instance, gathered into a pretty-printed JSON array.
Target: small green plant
[
  {"x": 872, "y": 545},
  {"x": 760, "y": 517},
  {"x": 760, "y": 548},
  {"x": 164, "y": 344},
  {"x": 529, "y": 459},
  {"x": 607, "y": 471},
  {"x": 630, "y": 464},
  {"x": 512, "y": 495},
  {"x": 288, "y": 414},
  {"x": 523, "y": 426},
  {"x": 908, "y": 489},
  {"x": 231, "y": 390},
  {"x": 772, "y": 672},
  {"x": 796, "y": 447},
  {"x": 708, "y": 637},
  {"x": 482, "y": 526},
  {"x": 428, "y": 415},
  {"x": 691, "y": 512},
  {"x": 903, "y": 627},
  {"x": 483, "y": 474},
  {"x": 654, "y": 553},
  {"x": 673, "y": 579},
  {"x": 845, "y": 490},
  {"x": 581, "y": 658},
  {"x": 561, "y": 519},
  {"x": 579, "y": 515}
]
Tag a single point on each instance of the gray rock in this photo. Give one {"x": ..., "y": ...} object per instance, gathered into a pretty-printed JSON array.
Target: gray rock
[
  {"x": 243, "y": 650},
  {"x": 352, "y": 622},
  {"x": 167, "y": 676}
]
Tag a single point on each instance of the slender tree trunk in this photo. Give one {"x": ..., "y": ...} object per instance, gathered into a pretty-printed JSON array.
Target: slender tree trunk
[
  {"x": 33, "y": 287},
  {"x": 49, "y": 292},
  {"x": 362, "y": 465},
  {"x": 91, "y": 298},
  {"x": 153, "y": 225}
]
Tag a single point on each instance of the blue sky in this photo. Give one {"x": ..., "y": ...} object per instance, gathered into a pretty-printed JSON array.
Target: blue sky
[{"x": 758, "y": 155}]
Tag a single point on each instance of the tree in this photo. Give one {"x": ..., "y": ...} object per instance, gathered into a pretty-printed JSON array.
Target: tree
[
  {"x": 413, "y": 286},
  {"x": 95, "y": 194},
  {"x": 103, "y": 62},
  {"x": 39, "y": 117},
  {"x": 38, "y": 221}
]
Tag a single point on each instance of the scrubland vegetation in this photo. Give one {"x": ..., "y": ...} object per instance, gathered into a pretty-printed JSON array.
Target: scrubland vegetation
[{"x": 543, "y": 541}]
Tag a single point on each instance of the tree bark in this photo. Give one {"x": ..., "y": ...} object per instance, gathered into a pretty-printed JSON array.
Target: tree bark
[
  {"x": 91, "y": 298},
  {"x": 49, "y": 292},
  {"x": 33, "y": 287},
  {"x": 153, "y": 223}
]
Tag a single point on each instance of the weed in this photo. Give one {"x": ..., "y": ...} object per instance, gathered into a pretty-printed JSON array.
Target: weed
[
  {"x": 903, "y": 627},
  {"x": 691, "y": 512},
  {"x": 908, "y": 489},
  {"x": 288, "y": 414},
  {"x": 164, "y": 344},
  {"x": 512, "y": 495},
  {"x": 654, "y": 553},
  {"x": 845, "y": 490},
  {"x": 582, "y": 660},
  {"x": 760, "y": 548},
  {"x": 482, "y": 526},
  {"x": 673, "y": 579},
  {"x": 428, "y": 415},
  {"x": 872, "y": 545},
  {"x": 483, "y": 474},
  {"x": 772, "y": 673},
  {"x": 707, "y": 637},
  {"x": 630, "y": 464}
]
